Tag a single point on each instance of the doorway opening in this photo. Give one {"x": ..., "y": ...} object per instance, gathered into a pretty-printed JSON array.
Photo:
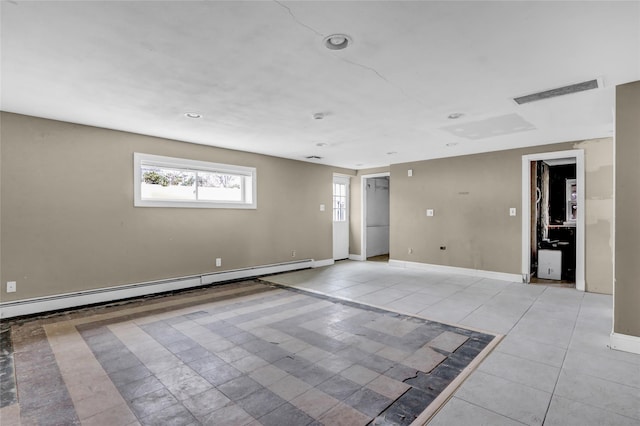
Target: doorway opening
[
  {"x": 553, "y": 226},
  {"x": 375, "y": 217},
  {"x": 553, "y": 219}
]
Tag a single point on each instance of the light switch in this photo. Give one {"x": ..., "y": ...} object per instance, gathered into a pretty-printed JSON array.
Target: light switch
[
  {"x": 512, "y": 211},
  {"x": 321, "y": 207},
  {"x": 429, "y": 212},
  {"x": 410, "y": 172}
]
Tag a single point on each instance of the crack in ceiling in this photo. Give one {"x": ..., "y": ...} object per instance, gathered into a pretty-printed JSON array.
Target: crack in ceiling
[
  {"x": 363, "y": 66},
  {"x": 299, "y": 22}
]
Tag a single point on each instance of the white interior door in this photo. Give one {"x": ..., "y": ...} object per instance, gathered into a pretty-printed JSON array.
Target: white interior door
[{"x": 340, "y": 217}]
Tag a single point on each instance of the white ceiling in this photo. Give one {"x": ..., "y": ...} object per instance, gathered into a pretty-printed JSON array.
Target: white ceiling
[{"x": 258, "y": 72}]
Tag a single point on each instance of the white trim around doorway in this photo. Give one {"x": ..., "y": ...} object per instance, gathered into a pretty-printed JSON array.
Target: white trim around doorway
[
  {"x": 578, "y": 154},
  {"x": 363, "y": 211}
]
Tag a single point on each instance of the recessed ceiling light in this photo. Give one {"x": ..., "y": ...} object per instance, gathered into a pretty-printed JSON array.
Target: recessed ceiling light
[
  {"x": 192, "y": 115},
  {"x": 337, "y": 41},
  {"x": 455, "y": 115}
]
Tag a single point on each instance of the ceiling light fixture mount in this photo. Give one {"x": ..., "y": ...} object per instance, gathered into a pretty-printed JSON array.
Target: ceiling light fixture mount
[
  {"x": 337, "y": 41},
  {"x": 318, "y": 115},
  {"x": 192, "y": 115}
]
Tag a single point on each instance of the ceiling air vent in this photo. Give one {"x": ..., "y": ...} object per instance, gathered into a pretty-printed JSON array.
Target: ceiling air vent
[{"x": 560, "y": 91}]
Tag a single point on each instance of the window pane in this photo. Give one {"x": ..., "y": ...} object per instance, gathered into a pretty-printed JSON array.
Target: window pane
[
  {"x": 339, "y": 202},
  {"x": 219, "y": 187},
  {"x": 167, "y": 184},
  {"x": 177, "y": 182}
]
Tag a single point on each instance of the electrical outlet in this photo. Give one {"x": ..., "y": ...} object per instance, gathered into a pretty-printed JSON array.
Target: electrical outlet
[
  {"x": 218, "y": 262},
  {"x": 429, "y": 212},
  {"x": 11, "y": 286},
  {"x": 512, "y": 211}
]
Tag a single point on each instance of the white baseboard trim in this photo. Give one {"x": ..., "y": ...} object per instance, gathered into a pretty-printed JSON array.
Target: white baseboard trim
[
  {"x": 256, "y": 271},
  {"x": 321, "y": 263},
  {"x": 624, "y": 342},
  {"x": 356, "y": 257},
  {"x": 456, "y": 270},
  {"x": 89, "y": 297}
]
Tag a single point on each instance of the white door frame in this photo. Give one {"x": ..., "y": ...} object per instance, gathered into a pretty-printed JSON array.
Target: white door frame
[
  {"x": 346, "y": 180},
  {"x": 578, "y": 154},
  {"x": 363, "y": 211}
]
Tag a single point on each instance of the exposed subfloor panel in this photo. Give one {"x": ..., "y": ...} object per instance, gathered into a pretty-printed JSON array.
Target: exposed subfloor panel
[{"x": 241, "y": 353}]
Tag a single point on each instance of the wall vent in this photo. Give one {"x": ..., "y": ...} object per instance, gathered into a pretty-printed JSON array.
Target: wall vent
[{"x": 560, "y": 91}]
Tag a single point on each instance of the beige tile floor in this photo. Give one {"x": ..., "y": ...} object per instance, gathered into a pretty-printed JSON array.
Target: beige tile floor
[{"x": 553, "y": 367}]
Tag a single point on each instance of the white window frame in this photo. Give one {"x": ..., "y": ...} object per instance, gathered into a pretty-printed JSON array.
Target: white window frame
[
  {"x": 249, "y": 175},
  {"x": 340, "y": 211}
]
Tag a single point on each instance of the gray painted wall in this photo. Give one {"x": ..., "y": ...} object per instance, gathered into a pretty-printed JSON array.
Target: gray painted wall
[
  {"x": 471, "y": 196},
  {"x": 68, "y": 222},
  {"x": 627, "y": 226}
]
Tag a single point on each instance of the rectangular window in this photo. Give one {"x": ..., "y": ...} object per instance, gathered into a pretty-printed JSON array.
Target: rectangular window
[
  {"x": 176, "y": 182},
  {"x": 339, "y": 202}
]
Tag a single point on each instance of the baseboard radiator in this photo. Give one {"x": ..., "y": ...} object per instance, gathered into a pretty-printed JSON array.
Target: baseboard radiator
[{"x": 58, "y": 302}]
